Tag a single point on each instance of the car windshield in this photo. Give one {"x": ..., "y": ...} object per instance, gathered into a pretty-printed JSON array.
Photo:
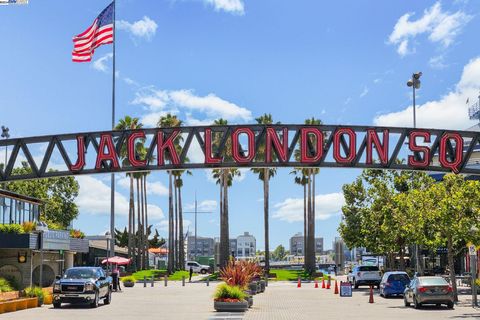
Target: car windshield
[
  {"x": 79, "y": 274},
  {"x": 368, "y": 268},
  {"x": 399, "y": 277},
  {"x": 437, "y": 281}
]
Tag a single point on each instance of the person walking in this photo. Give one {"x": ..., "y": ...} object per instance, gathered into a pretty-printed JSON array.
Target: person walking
[
  {"x": 116, "y": 278},
  {"x": 190, "y": 275}
]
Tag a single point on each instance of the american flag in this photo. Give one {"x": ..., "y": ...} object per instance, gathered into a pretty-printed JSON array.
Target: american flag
[{"x": 100, "y": 32}]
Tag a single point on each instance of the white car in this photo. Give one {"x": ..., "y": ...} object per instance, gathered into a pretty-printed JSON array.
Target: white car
[
  {"x": 365, "y": 275},
  {"x": 197, "y": 267}
]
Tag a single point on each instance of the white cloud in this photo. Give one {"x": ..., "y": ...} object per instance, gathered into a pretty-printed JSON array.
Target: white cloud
[
  {"x": 437, "y": 62},
  {"x": 449, "y": 112},
  {"x": 441, "y": 27},
  {"x": 347, "y": 101},
  {"x": 162, "y": 101},
  {"x": 364, "y": 92},
  {"x": 144, "y": 28},
  {"x": 155, "y": 188},
  {"x": 205, "y": 205},
  {"x": 94, "y": 198},
  {"x": 100, "y": 63},
  {"x": 326, "y": 206},
  {"x": 231, "y": 6}
]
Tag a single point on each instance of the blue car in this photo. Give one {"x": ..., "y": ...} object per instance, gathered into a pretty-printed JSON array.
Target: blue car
[{"x": 393, "y": 283}]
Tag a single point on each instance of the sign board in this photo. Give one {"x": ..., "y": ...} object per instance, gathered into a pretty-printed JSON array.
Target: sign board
[
  {"x": 56, "y": 240},
  {"x": 345, "y": 289},
  {"x": 472, "y": 250}
]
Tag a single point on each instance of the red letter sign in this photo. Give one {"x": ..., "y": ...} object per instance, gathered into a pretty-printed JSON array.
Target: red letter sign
[
  {"x": 81, "y": 155},
  {"x": 412, "y": 144},
  {"x": 208, "y": 148},
  {"x": 304, "y": 136},
  {"x": 382, "y": 150},
  {"x": 235, "y": 144},
  {"x": 167, "y": 144},
  {"x": 110, "y": 155},
  {"x": 281, "y": 148},
  {"x": 352, "y": 146},
  {"x": 131, "y": 149},
  {"x": 455, "y": 164}
]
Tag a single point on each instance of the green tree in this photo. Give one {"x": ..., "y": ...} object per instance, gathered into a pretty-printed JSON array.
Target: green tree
[
  {"x": 58, "y": 195},
  {"x": 279, "y": 253}
]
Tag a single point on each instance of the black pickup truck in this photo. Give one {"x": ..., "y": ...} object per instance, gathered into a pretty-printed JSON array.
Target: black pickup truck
[{"x": 82, "y": 285}]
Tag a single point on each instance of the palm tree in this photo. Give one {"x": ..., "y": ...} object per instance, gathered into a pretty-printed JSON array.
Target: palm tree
[
  {"x": 169, "y": 121},
  {"x": 264, "y": 174},
  {"x": 181, "y": 243},
  {"x": 224, "y": 177},
  {"x": 302, "y": 179},
  {"x": 129, "y": 123}
]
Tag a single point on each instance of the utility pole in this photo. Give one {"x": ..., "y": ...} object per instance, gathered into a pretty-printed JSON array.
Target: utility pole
[{"x": 196, "y": 212}]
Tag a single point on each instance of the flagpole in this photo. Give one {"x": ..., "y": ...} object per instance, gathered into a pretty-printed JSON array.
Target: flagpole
[{"x": 112, "y": 177}]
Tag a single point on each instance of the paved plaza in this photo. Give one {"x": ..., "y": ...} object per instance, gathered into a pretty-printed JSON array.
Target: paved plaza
[{"x": 281, "y": 300}]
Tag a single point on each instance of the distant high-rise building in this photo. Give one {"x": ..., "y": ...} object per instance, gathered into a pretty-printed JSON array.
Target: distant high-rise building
[
  {"x": 318, "y": 246},
  {"x": 297, "y": 247},
  {"x": 233, "y": 247},
  {"x": 339, "y": 248}
]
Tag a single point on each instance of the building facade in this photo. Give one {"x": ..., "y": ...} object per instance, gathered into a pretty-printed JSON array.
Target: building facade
[
  {"x": 297, "y": 246},
  {"x": 205, "y": 247},
  {"x": 246, "y": 245},
  {"x": 339, "y": 248}
]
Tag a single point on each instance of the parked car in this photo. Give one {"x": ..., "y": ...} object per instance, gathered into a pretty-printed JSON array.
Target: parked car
[
  {"x": 82, "y": 285},
  {"x": 428, "y": 290},
  {"x": 197, "y": 267},
  {"x": 365, "y": 275},
  {"x": 393, "y": 283}
]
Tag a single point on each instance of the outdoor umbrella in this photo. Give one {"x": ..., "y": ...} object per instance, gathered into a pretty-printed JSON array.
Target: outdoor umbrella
[{"x": 116, "y": 260}]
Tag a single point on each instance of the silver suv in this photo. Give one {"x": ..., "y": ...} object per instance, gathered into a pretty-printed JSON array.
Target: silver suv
[
  {"x": 197, "y": 267},
  {"x": 365, "y": 275}
]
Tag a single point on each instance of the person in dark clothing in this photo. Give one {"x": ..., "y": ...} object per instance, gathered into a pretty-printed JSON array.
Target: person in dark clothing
[
  {"x": 191, "y": 273},
  {"x": 335, "y": 269}
]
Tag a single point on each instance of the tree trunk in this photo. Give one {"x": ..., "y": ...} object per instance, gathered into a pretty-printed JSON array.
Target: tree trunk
[
  {"x": 181, "y": 245},
  {"x": 170, "y": 225},
  {"x": 177, "y": 260},
  {"x": 220, "y": 247},
  {"x": 225, "y": 212},
  {"x": 451, "y": 265},
  {"x": 305, "y": 220},
  {"x": 134, "y": 234},
  {"x": 140, "y": 226},
  {"x": 143, "y": 222},
  {"x": 266, "y": 178},
  {"x": 131, "y": 212},
  {"x": 224, "y": 239},
  {"x": 401, "y": 260},
  {"x": 311, "y": 229},
  {"x": 146, "y": 219}
]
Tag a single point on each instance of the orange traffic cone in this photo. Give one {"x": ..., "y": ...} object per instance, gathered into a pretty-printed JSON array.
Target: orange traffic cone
[
  {"x": 323, "y": 284},
  {"x": 328, "y": 284},
  {"x": 316, "y": 284},
  {"x": 336, "y": 287},
  {"x": 299, "y": 284},
  {"x": 370, "y": 300}
]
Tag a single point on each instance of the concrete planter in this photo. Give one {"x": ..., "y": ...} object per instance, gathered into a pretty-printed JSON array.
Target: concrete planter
[
  {"x": 239, "y": 306},
  {"x": 253, "y": 287},
  {"x": 263, "y": 284},
  {"x": 32, "y": 302},
  {"x": 128, "y": 284}
]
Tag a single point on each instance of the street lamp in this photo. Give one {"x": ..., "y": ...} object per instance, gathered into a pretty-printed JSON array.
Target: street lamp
[
  {"x": 108, "y": 237},
  {"x": 41, "y": 227},
  {"x": 414, "y": 82},
  {"x": 5, "y": 135}
]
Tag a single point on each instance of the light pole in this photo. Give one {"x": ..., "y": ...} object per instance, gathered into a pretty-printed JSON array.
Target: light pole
[
  {"x": 41, "y": 227},
  {"x": 414, "y": 82},
  {"x": 108, "y": 237},
  {"x": 196, "y": 212}
]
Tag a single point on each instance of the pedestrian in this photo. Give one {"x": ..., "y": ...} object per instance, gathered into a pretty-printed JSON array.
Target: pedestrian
[
  {"x": 191, "y": 273},
  {"x": 116, "y": 278},
  {"x": 335, "y": 270}
]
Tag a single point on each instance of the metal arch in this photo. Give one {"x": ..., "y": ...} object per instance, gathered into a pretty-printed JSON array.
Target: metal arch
[{"x": 120, "y": 138}]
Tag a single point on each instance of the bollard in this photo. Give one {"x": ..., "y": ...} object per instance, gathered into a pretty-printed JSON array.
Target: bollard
[
  {"x": 183, "y": 281},
  {"x": 144, "y": 281},
  {"x": 152, "y": 282},
  {"x": 208, "y": 281},
  {"x": 329, "y": 281},
  {"x": 166, "y": 280},
  {"x": 266, "y": 281}
]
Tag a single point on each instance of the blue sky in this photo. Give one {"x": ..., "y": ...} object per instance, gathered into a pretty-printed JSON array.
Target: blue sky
[{"x": 345, "y": 62}]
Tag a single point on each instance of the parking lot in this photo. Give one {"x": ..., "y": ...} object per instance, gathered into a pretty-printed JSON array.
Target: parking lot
[{"x": 281, "y": 300}]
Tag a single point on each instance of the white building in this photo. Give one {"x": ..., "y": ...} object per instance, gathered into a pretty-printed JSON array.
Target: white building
[{"x": 246, "y": 245}]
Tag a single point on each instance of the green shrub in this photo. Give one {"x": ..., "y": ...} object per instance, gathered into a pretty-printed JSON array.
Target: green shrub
[
  {"x": 5, "y": 285},
  {"x": 11, "y": 228},
  {"x": 128, "y": 279},
  {"x": 77, "y": 234},
  {"x": 34, "y": 292},
  {"x": 477, "y": 282},
  {"x": 224, "y": 291},
  {"x": 13, "y": 282}
]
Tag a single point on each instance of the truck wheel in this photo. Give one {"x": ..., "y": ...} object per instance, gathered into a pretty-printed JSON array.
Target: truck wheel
[
  {"x": 94, "y": 303},
  {"x": 108, "y": 297},
  {"x": 450, "y": 305},
  {"x": 57, "y": 305},
  {"x": 203, "y": 271},
  {"x": 355, "y": 284}
]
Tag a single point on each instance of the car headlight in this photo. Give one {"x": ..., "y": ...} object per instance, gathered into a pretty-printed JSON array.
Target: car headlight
[
  {"x": 89, "y": 287},
  {"x": 57, "y": 287}
]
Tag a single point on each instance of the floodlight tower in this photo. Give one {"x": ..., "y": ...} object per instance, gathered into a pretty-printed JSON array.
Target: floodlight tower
[
  {"x": 474, "y": 110},
  {"x": 414, "y": 82}
]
